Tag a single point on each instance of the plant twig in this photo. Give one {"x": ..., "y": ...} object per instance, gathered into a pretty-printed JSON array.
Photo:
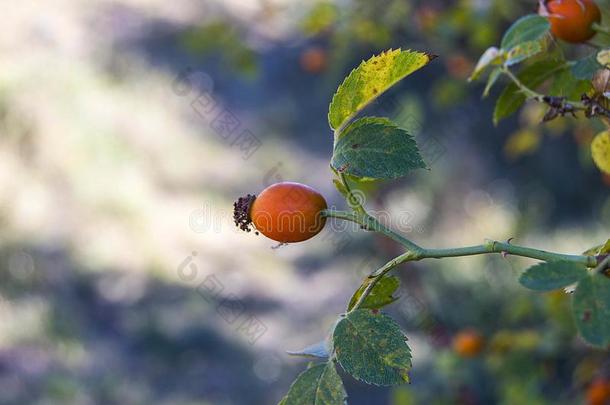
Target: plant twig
[
  {"x": 534, "y": 95},
  {"x": 417, "y": 252},
  {"x": 353, "y": 201},
  {"x": 603, "y": 265},
  {"x": 378, "y": 275}
]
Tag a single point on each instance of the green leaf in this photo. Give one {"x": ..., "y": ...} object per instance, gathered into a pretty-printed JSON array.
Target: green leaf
[
  {"x": 552, "y": 275},
  {"x": 369, "y": 80},
  {"x": 491, "y": 80},
  {"x": 317, "y": 350},
  {"x": 523, "y": 51},
  {"x": 532, "y": 27},
  {"x": 531, "y": 76},
  {"x": 380, "y": 295},
  {"x": 584, "y": 68},
  {"x": 591, "y": 309},
  {"x": 318, "y": 385},
  {"x": 376, "y": 148},
  {"x": 605, "y": 248},
  {"x": 566, "y": 85},
  {"x": 283, "y": 401},
  {"x": 371, "y": 348}
]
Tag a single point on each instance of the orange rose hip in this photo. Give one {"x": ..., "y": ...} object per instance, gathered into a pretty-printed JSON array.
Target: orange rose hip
[
  {"x": 571, "y": 20},
  {"x": 286, "y": 212}
]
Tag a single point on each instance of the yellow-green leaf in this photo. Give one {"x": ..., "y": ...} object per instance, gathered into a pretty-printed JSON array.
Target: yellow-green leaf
[
  {"x": 603, "y": 57},
  {"x": 598, "y": 250},
  {"x": 523, "y": 51},
  {"x": 374, "y": 76},
  {"x": 381, "y": 294},
  {"x": 600, "y": 150}
]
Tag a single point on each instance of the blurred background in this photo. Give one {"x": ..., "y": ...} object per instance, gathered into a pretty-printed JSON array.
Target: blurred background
[{"x": 128, "y": 128}]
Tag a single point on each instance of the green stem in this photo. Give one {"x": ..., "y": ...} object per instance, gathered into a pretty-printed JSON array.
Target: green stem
[
  {"x": 529, "y": 93},
  {"x": 367, "y": 221},
  {"x": 353, "y": 201},
  {"x": 416, "y": 252},
  {"x": 378, "y": 275},
  {"x": 534, "y": 95},
  {"x": 370, "y": 223},
  {"x": 508, "y": 248}
]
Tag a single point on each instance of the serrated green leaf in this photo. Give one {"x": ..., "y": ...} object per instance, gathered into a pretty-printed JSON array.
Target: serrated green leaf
[
  {"x": 491, "y": 80},
  {"x": 317, "y": 385},
  {"x": 602, "y": 249},
  {"x": 532, "y": 27},
  {"x": 585, "y": 68},
  {"x": 531, "y": 76},
  {"x": 552, "y": 275},
  {"x": 491, "y": 57},
  {"x": 369, "y": 80},
  {"x": 591, "y": 309},
  {"x": 380, "y": 296},
  {"x": 317, "y": 350},
  {"x": 376, "y": 148},
  {"x": 523, "y": 51},
  {"x": 372, "y": 348}
]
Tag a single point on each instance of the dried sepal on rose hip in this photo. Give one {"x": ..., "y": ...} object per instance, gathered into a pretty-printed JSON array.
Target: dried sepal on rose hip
[
  {"x": 601, "y": 82},
  {"x": 571, "y": 20},
  {"x": 286, "y": 212}
]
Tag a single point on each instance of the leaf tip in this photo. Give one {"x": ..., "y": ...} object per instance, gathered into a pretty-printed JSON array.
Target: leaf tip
[{"x": 431, "y": 56}]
